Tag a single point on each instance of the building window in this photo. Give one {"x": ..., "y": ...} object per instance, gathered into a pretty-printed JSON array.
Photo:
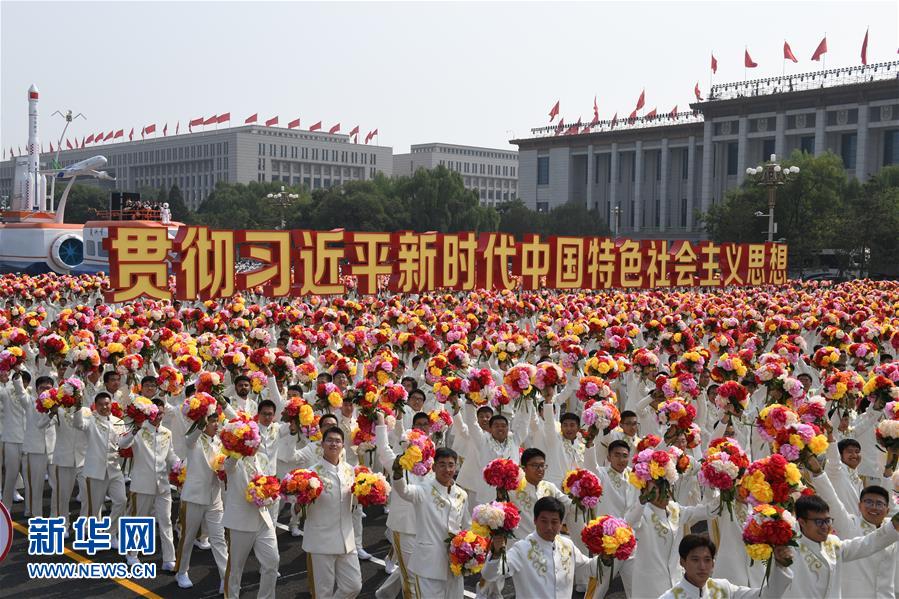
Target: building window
[
  {"x": 891, "y": 147},
  {"x": 542, "y": 170},
  {"x": 542, "y": 206},
  {"x": 658, "y": 212},
  {"x": 767, "y": 149},
  {"x": 683, "y": 212},
  {"x": 658, "y": 165},
  {"x": 685, "y": 164},
  {"x": 807, "y": 144},
  {"x": 633, "y": 169},
  {"x": 732, "y": 158},
  {"x": 848, "y": 146}
]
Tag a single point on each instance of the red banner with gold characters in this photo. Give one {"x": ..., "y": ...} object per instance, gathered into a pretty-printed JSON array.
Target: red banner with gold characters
[{"x": 298, "y": 262}]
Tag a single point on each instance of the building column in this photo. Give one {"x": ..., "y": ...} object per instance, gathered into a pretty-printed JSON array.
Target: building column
[
  {"x": 819, "y": 131},
  {"x": 590, "y": 176},
  {"x": 707, "y": 149},
  {"x": 638, "y": 185},
  {"x": 742, "y": 147},
  {"x": 780, "y": 135},
  {"x": 861, "y": 144},
  {"x": 691, "y": 168},
  {"x": 613, "y": 185},
  {"x": 663, "y": 188}
]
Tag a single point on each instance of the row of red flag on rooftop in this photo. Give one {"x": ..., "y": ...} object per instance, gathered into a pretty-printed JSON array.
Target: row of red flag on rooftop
[
  {"x": 575, "y": 128},
  {"x": 95, "y": 138}
]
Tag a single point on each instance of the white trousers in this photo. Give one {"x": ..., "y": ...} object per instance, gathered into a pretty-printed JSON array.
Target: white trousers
[
  {"x": 431, "y": 588},
  {"x": 264, "y": 545},
  {"x": 190, "y": 517},
  {"x": 334, "y": 576},
  {"x": 399, "y": 580},
  {"x": 35, "y": 470},
  {"x": 97, "y": 490},
  {"x": 357, "y": 525},
  {"x": 159, "y": 505},
  {"x": 12, "y": 463},
  {"x": 64, "y": 479}
]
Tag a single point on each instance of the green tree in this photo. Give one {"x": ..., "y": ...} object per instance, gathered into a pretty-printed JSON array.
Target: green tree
[
  {"x": 354, "y": 206},
  {"x": 83, "y": 202},
  {"x": 245, "y": 206},
  {"x": 872, "y": 228},
  {"x": 573, "y": 218},
  {"x": 436, "y": 200},
  {"x": 519, "y": 220},
  {"x": 179, "y": 209}
]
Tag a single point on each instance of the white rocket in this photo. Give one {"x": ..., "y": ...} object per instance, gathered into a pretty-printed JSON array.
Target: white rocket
[{"x": 30, "y": 192}]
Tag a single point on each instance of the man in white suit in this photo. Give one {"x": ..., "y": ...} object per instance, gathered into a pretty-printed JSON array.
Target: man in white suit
[
  {"x": 154, "y": 456},
  {"x": 102, "y": 468},
  {"x": 328, "y": 538},
  {"x": 15, "y": 402},
  {"x": 441, "y": 510},
  {"x": 68, "y": 461},
  {"x": 38, "y": 447}
]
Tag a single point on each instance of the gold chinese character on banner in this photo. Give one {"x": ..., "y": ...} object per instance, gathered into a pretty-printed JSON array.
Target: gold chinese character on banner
[
  {"x": 205, "y": 268},
  {"x": 369, "y": 258},
  {"x": 757, "y": 264},
  {"x": 532, "y": 262},
  {"x": 316, "y": 262},
  {"x": 710, "y": 274},
  {"x": 497, "y": 251},
  {"x": 684, "y": 263},
  {"x": 273, "y": 249},
  {"x": 138, "y": 263},
  {"x": 777, "y": 263},
  {"x": 657, "y": 260},
  {"x": 630, "y": 264},
  {"x": 600, "y": 262},
  {"x": 735, "y": 258},
  {"x": 567, "y": 256},
  {"x": 415, "y": 266}
]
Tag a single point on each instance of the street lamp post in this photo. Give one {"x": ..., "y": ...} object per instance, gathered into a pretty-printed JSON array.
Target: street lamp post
[
  {"x": 69, "y": 117},
  {"x": 283, "y": 199},
  {"x": 616, "y": 215},
  {"x": 772, "y": 175}
]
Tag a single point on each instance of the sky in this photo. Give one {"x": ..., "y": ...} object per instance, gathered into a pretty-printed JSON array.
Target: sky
[{"x": 454, "y": 72}]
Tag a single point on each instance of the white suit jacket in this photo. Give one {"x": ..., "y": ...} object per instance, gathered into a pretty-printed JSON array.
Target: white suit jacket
[
  {"x": 201, "y": 485},
  {"x": 71, "y": 443},
  {"x": 154, "y": 456},
  {"x": 329, "y": 521},
  {"x": 239, "y": 513},
  {"x": 102, "y": 456}
]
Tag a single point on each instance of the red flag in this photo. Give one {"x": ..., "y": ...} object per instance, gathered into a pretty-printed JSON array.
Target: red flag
[
  {"x": 633, "y": 116},
  {"x": 595, "y": 120},
  {"x": 90, "y": 139},
  {"x": 143, "y": 132},
  {"x": 51, "y": 147},
  {"x": 150, "y": 128},
  {"x": 355, "y": 130},
  {"x": 368, "y": 137},
  {"x": 696, "y": 91},
  {"x": 177, "y": 127},
  {"x": 747, "y": 61},
  {"x": 788, "y": 53},
  {"x": 194, "y": 123},
  {"x": 865, "y": 48},
  {"x": 651, "y": 114},
  {"x": 109, "y": 135},
  {"x": 714, "y": 63},
  {"x": 560, "y": 126},
  {"x": 165, "y": 130},
  {"x": 130, "y": 135},
  {"x": 68, "y": 144},
  {"x": 821, "y": 49},
  {"x": 271, "y": 121},
  {"x": 375, "y": 133},
  {"x": 572, "y": 130},
  {"x": 251, "y": 119},
  {"x": 673, "y": 113},
  {"x": 82, "y": 141},
  {"x": 641, "y": 101},
  {"x": 334, "y": 129},
  {"x": 614, "y": 120},
  {"x": 98, "y": 137},
  {"x": 293, "y": 124},
  {"x": 224, "y": 118},
  {"x": 211, "y": 120},
  {"x": 554, "y": 111},
  {"x": 316, "y": 126},
  {"x": 119, "y": 133}
]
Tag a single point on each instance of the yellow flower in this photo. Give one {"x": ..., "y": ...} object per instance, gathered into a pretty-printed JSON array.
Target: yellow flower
[
  {"x": 480, "y": 529},
  {"x": 656, "y": 471},
  {"x": 796, "y": 441},
  {"x": 307, "y": 415},
  {"x": 792, "y": 474},
  {"x": 767, "y": 510},
  {"x": 635, "y": 480},
  {"x": 410, "y": 457},
  {"x": 383, "y": 377},
  {"x": 818, "y": 444},
  {"x": 335, "y": 399},
  {"x": 759, "y": 551},
  {"x": 609, "y": 544},
  {"x": 677, "y": 337}
]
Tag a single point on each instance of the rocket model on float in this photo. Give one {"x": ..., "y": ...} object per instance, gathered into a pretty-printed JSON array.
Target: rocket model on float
[{"x": 30, "y": 189}]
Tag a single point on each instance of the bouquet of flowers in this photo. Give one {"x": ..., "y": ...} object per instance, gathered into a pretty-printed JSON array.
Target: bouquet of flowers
[
  {"x": 53, "y": 347},
  {"x": 811, "y": 410},
  {"x": 594, "y": 388},
  {"x": 767, "y": 527},
  {"x": 112, "y": 352},
  {"x": 198, "y": 408},
  {"x": 328, "y": 397},
  {"x": 791, "y": 438},
  {"x": 785, "y": 387},
  {"x": 732, "y": 397},
  {"x": 657, "y": 466},
  {"x": 457, "y": 358},
  {"x": 370, "y": 488},
  {"x": 519, "y": 382},
  {"x": 863, "y": 355},
  {"x": 11, "y": 358},
  {"x": 771, "y": 480},
  {"x": 496, "y": 519},
  {"x": 843, "y": 388},
  {"x": 467, "y": 553},
  {"x": 70, "y": 391},
  {"x": 504, "y": 475},
  {"x": 602, "y": 365},
  {"x": 261, "y": 358},
  {"x": 304, "y": 486},
  {"x": 418, "y": 457},
  {"x": 47, "y": 401},
  {"x": 240, "y": 437},
  {"x": 447, "y": 386},
  {"x": 234, "y": 361},
  {"x": 880, "y": 390},
  {"x": 263, "y": 490},
  {"x": 211, "y": 383},
  {"x": 383, "y": 367},
  {"x": 306, "y": 373},
  {"x": 826, "y": 357},
  {"x": 570, "y": 356},
  {"x": 548, "y": 375},
  {"x": 609, "y": 538},
  {"x": 440, "y": 423},
  {"x": 768, "y": 372},
  {"x": 84, "y": 356},
  {"x": 140, "y": 410},
  {"x": 188, "y": 364},
  {"x": 728, "y": 367},
  {"x": 170, "y": 381},
  {"x": 645, "y": 363},
  {"x": 677, "y": 413},
  {"x": 887, "y": 433},
  {"x": 723, "y": 465},
  {"x": 584, "y": 489},
  {"x": 178, "y": 474},
  {"x": 478, "y": 386},
  {"x": 130, "y": 365},
  {"x": 692, "y": 361},
  {"x": 599, "y": 417},
  {"x": 283, "y": 367},
  {"x": 394, "y": 397}
]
